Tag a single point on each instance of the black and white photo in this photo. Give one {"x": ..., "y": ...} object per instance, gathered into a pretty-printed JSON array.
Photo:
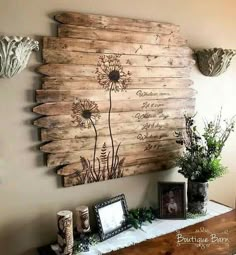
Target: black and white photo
[{"x": 171, "y": 200}]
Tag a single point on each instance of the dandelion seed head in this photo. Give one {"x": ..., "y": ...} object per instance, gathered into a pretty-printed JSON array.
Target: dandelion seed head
[
  {"x": 84, "y": 113},
  {"x": 110, "y": 73}
]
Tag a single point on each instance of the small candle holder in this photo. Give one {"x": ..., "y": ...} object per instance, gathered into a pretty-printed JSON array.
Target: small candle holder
[
  {"x": 82, "y": 219},
  {"x": 65, "y": 232}
]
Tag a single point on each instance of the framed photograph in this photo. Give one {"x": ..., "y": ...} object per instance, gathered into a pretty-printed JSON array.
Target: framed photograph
[
  {"x": 111, "y": 216},
  {"x": 172, "y": 200}
]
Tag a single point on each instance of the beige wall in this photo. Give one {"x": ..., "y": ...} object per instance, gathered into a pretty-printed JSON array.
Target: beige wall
[{"x": 30, "y": 193}]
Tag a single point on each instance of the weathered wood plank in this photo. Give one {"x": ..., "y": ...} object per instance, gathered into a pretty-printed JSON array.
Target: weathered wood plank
[
  {"x": 45, "y": 96},
  {"x": 129, "y": 170},
  {"x": 82, "y": 58},
  {"x": 71, "y": 145},
  {"x": 130, "y": 160},
  {"x": 75, "y": 132},
  {"x": 82, "y": 32},
  {"x": 92, "y": 46},
  {"x": 64, "y": 121},
  {"x": 64, "y": 108},
  {"x": 90, "y": 83},
  {"x": 66, "y": 70},
  {"x": 115, "y": 23},
  {"x": 152, "y": 149},
  {"x": 92, "y": 33}
]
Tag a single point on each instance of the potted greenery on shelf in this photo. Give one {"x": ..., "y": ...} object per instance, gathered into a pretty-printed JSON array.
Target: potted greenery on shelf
[{"x": 201, "y": 159}]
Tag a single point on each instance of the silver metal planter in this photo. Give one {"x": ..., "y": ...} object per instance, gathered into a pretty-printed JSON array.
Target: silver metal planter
[{"x": 197, "y": 197}]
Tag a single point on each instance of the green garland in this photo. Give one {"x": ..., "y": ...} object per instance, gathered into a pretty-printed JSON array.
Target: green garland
[{"x": 136, "y": 217}]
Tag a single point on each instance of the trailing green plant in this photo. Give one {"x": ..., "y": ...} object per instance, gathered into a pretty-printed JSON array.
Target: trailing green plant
[
  {"x": 201, "y": 159},
  {"x": 136, "y": 217}
]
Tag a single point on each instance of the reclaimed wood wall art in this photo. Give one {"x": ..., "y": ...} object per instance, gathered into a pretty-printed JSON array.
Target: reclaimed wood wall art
[{"x": 114, "y": 91}]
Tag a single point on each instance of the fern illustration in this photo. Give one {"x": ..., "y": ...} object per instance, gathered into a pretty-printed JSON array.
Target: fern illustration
[
  {"x": 103, "y": 155},
  {"x": 103, "y": 159}
]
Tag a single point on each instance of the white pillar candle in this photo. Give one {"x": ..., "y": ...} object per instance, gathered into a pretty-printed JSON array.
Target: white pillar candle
[
  {"x": 82, "y": 219},
  {"x": 65, "y": 237}
]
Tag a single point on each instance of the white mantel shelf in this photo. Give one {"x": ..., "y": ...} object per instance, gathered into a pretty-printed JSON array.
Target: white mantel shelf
[{"x": 150, "y": 230}]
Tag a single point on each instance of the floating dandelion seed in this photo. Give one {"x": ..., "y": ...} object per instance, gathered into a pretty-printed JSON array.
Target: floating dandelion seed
[
  {"x": 85, "y": 113},
  {"x": 110, "y": 74}
]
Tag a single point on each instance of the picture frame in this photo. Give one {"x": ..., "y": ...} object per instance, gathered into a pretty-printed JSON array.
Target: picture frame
[
  {"x": 172, "y": 200},
  {"x": 112, "y": 217}
]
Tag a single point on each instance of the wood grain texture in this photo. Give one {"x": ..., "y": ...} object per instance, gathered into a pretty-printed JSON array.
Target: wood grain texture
[
  {"x": 68, "y": 70},
  {"x": 110, "y": 35},
  {"x": 90, "y": 83},
  {"x": 75, "y": 132},
  {"x": 64, "y": 121},
  {"x": 45, "y": 96},
  {"x": 72, "y": 168},
  {"x": 82, "y": 58},
  {"x": 79, "y": 144},
  {"x": 122, "y": 48},
  {"x": 167, "y": 244},
  {"x": 129, "y": 170},
  {"x": 64, "y": 108},
  {"x": 130, "y": 161},
  {"x": 153, "y": 150},
  {"x": 115, "y": 23}
]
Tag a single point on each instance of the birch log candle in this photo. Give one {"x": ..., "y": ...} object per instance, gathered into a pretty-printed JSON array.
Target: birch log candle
[
  {"x": 65, "y": 232},
  {"x": 82, "y": 219}
]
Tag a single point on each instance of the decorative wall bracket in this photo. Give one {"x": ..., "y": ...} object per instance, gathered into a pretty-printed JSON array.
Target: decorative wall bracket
[
  {"x": 14, "y": 54},
  {"x": 213, "y": 62}
]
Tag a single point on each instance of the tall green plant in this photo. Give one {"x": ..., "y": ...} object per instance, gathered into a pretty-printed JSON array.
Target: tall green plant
[{"x": 201, "y": 159}]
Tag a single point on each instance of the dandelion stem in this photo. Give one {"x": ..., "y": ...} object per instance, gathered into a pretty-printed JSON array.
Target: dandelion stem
[
  {"x": 95, "y": 146},
  {"x": 109, "y": 124}
]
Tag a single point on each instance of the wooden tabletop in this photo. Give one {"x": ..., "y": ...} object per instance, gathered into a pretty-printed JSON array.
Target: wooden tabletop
[{"x": 219, "y": 234}]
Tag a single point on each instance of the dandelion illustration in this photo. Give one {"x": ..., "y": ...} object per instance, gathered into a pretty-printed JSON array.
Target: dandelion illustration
[
  {"x": 110, "y": 73},
  {"x": 85, "y": 113},
  {"x": 111, "y": 76}
]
